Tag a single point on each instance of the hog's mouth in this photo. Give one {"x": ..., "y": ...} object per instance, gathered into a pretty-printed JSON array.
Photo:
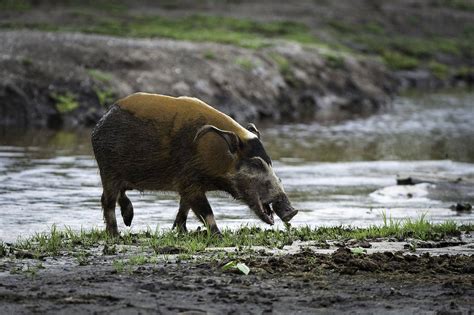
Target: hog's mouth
[{"x": 264, "y": 212}]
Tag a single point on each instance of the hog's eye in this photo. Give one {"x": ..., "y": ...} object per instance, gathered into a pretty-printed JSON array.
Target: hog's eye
[
  {"x": 279, "y": 179},
  {"x": 257, "y": 164}
]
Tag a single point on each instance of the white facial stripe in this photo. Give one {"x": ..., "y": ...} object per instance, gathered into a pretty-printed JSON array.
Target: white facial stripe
[{"x": 249, "y": 135}]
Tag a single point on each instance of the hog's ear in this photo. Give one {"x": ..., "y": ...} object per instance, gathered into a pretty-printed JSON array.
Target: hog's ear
[
  {"x": 230, "y": 138},
  {"x": 253, "y": 129}
]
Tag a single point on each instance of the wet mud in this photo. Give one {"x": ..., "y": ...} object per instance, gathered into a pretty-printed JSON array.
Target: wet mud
[{"x": 345, "y": 280}]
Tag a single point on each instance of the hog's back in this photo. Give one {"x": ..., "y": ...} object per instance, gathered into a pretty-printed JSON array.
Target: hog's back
[{"x": 145, "y": 141}]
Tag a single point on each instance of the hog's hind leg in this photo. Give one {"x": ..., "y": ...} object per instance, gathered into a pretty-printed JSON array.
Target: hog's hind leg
[
  {"x": 201, "y": 207},
  {"x": 126, "y": 208},
  {"x": 109, "y": 199}
]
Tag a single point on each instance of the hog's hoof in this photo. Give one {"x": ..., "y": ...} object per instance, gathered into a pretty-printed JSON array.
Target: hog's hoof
[
  {"x": 180, "y": 228},
  {"x": 113, "y": 232},
  {"x": 216, "y": 234}
]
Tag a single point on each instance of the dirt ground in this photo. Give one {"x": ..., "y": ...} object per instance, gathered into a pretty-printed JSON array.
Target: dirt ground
[{"x": 302, "y": 282}]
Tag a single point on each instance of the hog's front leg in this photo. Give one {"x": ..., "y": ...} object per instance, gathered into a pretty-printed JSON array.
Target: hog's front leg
[{"x": 182, "y": 216}]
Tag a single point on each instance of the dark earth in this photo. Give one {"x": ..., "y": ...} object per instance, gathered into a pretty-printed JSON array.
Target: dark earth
[{"x": 305, "y": 282}]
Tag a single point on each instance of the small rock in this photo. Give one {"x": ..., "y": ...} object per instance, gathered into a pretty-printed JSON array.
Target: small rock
[
  {"x": 405, "y": 181},
  {"x": 461, "y": 207}
]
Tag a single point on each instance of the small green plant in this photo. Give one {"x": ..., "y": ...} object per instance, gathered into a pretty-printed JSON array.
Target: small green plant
[
  {"x": 335, "y": 60},
  {"x": 26, "y": 61},
  {"x": 105, "y": 96},
  {"x": 119, "y": 266},
  {"x": 100, "y": 75},
  {"x": 208, "y": 54},
  {"x": 358, "y": 251},
  {"x": 15, "y": 5},
  {"x": 245, "y": 63},
  {"x": 440, "y": 70},
  {"x": 82, "y": 258},
  {"x": 3, "y": 249},
  {"x": 283, "y": 64},
  {"x": 65, "y": 103},
  {"x": 109, "y": 249},
  {"x": 374, "y": 28}
]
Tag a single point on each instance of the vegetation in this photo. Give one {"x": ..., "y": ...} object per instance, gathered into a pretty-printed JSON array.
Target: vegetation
[
  {"x": 65, "y": 103},
  {"x": 100, "y": 75},
  {"x": 400, "y": 51},
  {"x": 240, "y": 32},
  {"x": 57, "y": 242},
  {"x": 245, "y": 63}
]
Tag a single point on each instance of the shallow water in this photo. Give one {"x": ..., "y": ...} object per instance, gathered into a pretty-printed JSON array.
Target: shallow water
[{"x": 336, "y": 174}]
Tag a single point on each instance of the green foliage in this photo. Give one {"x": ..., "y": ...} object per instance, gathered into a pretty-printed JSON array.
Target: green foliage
[
  {"x": 241, "y": 32},
  {"x": 333, "y": 59},
  {"x": 374, "y": 28},
  {"x": 208, "y": 54},
  {"x": 3, "y": 249},
  {"x": 358, "y": 251},
  {"x": 397, "y": 61},
  {"x": 463, "y": 5},
  {"x": 58, "y": 242},
  {"x": 440, "y": 70},
  {"x": 105, "y": 97},
  {"x": 340, "y": 26},
  {"x": 245, "y": 63},
  {"x": 26, "y": 61},
  {"x": 283, "y": 64},
  {"x": 15, "y": 5},
  {"x": 66, "y": 102}
]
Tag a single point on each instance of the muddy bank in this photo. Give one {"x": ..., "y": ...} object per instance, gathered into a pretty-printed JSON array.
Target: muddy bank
[
  {"x": 64, "y": 80},
  {"x": 344, "y": 281},
  {"x": 87, "y": 272}
]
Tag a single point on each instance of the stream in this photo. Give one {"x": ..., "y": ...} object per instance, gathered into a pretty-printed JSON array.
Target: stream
[{"x": 340, "y": 173}]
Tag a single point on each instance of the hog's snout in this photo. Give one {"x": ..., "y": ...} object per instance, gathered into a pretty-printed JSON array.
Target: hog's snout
[{"x": 284, "y": 209}]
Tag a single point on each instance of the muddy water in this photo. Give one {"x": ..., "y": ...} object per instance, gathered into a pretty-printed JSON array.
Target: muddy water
[{"x": 340, "y": 173}]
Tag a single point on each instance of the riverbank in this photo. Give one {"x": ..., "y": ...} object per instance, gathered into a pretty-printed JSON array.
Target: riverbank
[
  {"x": 273, "y": 62},
  {"x": 63, "y": 80},
  {"x": 421, "y": 267}
]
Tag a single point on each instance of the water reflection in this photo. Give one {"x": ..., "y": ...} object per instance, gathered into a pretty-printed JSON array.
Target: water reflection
[{"x": 342, "y": 173}]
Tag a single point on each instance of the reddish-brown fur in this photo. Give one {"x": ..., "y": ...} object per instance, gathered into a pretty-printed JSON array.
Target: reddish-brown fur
[{"x": 156, "y": 142}]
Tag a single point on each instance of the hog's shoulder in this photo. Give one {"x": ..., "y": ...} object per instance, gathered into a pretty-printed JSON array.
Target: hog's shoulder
[{"x": 181, "y": 110}]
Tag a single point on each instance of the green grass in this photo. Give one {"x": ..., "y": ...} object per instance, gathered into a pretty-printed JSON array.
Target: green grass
[
  {"x": 405, "y": 52},
  {"x": 3, "y": 249},
  {"x": 57, "y": 242},
  {"x": 440, "y": 70},
  {"x": 241, "y": 32},
  {"x": 397, "y": 61},
  {"x": 283, "y": 64},
  {"x": 245, "y": 63},
  {"x": 210, "y": 55},
  {"x": 15, "y": 5},
  {"x": 463, "y": 5},
  {"x": 66, "y": 102}
]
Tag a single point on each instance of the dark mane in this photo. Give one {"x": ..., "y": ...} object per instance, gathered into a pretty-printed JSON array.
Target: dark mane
[{"x": 254, "y": 148}]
